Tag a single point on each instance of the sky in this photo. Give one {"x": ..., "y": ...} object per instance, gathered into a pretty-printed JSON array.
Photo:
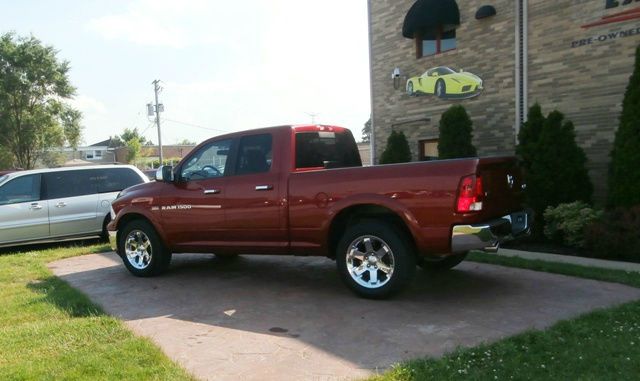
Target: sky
[{"x": 224, "y": 65}]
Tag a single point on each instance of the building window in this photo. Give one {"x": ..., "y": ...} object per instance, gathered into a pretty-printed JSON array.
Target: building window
[
  {"x": 428, "y": 149},
  {"x": 88, "y": 155},
  {"x": 435, "y": 42},
  {"x": 98, "y": 154}
]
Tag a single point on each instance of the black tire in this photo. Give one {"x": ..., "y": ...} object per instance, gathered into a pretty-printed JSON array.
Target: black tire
[
  {"x": 410, "y": 89},
  {"x": 104, "y": 235},
  {"x": 399, "y": 259},
  {"x": 444, "y": 264},
  {"x": 156, "y": 257},
  {"x": 441, "y": 89}
]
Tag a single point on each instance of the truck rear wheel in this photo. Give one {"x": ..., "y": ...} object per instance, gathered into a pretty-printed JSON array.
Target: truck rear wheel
[
  {"x": 374, "y": 259},
  {"x": 444, "y": 264},
  {"x": 141, "y": 249}
]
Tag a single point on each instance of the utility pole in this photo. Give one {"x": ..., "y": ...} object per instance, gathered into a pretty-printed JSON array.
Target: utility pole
[{"x": 156, "y": 89}]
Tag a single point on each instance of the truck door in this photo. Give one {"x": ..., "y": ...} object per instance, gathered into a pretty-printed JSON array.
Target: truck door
[
  {"x": 193, "y": 210},
  {"x": 255, "y": 211}
]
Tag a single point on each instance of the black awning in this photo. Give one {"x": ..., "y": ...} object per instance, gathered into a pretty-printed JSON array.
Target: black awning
[{"x": 426, "y": 15}]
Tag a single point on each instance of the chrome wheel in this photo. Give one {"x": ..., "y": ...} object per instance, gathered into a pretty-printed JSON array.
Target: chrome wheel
[
  {"x": 138, "y": 250},
  {"x": 370, "y": 261}
]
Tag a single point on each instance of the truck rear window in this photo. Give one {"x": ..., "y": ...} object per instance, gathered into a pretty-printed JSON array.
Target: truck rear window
[{"x": 320, "y": 149}]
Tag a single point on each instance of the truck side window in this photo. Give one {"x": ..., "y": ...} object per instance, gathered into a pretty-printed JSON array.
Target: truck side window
[
  {"x": 21, "y": 189},
  {"x": 208, "y": 162},
  {"x": 254, "y": 154},
  {"x": 320, "y": 149}
]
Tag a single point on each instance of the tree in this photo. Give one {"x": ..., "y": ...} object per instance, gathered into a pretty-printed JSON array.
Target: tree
[
  {"x": 129, "y": 134},
  {"x": 397, "y": 150},
  {"x": 366, "y": 131},
  {"x": 558, "y": 171},
  {"x": 6, "y": 158},
  {"x": 624, "y": 173},
  {"x": 33, "y": 87},
  {"x": 115, "y": 142},
  {"x": 455, "y": 134},
  {"x": 134, "y": 147},
  {"x": 72, "y": 128},
  {"x": 529, "y": 136},
  {"x": 187, "y": 142}
]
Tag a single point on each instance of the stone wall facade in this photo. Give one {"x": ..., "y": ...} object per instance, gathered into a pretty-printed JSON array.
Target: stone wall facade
[{"x": 571, "y": 68}]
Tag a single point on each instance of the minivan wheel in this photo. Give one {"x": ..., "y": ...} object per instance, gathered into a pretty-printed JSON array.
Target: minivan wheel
[
  {"x": 142, "y": 250},
  {"x": 374, "y": 259},
  {"x": 104, "y": 235}
]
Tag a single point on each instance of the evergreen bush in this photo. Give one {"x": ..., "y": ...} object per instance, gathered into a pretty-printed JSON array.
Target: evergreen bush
[
  {"x": 397, "y": 150},
  {"x": 455, "y": 134},
  {"x": 556, "y": 171},
  {"x": 624, "y": 172},
  {"x": 529, "y": 136}
]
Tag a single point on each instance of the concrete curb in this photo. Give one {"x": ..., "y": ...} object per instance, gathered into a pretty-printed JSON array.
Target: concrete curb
[{"x": 581, "y": 261}]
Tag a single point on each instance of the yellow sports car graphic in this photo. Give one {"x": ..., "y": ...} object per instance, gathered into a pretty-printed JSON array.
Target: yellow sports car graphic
[{"x": 445, "y": 83}]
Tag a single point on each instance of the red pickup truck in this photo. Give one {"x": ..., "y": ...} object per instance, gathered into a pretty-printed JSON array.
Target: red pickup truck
[{"x": 302, "y": 190}]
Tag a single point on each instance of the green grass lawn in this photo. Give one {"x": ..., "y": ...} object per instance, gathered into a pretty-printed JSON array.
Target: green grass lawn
[
  {"x": 602, "y": 345},
  {"x": 50, "y": 331}
]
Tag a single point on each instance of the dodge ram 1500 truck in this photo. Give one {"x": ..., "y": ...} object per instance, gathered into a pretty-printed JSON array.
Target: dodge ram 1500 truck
[{"x": 302, "y": 190}]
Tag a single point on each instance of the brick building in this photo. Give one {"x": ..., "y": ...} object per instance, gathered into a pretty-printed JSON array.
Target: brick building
[{"x": 497, "y": 58}]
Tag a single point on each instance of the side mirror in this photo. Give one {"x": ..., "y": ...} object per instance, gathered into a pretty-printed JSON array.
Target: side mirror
[{"x": 165, "y": 174}]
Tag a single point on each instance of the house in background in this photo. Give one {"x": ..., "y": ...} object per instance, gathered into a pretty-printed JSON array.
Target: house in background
[
  {"x": 98, "y": 153},
  {"x": 150, "y": 154}
]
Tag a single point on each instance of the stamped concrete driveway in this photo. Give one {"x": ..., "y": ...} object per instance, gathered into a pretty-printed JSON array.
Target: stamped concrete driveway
[{"x": 290, "y": 318}]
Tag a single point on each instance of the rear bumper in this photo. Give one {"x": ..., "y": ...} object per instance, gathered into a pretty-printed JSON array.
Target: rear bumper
[
  {"x": 113, "y": 240},
  {"x": 489, "y": 235}
]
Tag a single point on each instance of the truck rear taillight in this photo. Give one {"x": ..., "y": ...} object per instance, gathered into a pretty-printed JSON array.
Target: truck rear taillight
[{"x": 470, "y": 194}]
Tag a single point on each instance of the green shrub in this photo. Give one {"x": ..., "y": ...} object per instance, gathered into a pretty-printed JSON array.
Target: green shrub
[
  {"x": 529, "y": 136},
  {"x": 168, "y": 161},
  {"x": 567, "y": 223},
  {"x": 455, "y": 134},
  {"x": 397, "y": 150},
  {"x": 624, "y": 173},
  {"x": 556, "y": 172},
  {"x": 616, "y": 235}
]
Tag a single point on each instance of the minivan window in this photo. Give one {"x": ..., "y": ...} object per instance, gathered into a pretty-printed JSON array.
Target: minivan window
[
  {"x": 115, "y": 179},
  {"x": 69, "y": 184},
  {"x": 323, "y": 149},
  {"x": 21, "y": 189}
]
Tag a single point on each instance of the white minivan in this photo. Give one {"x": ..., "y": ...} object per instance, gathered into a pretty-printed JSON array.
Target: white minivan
[{"x": 57, "y": 204}]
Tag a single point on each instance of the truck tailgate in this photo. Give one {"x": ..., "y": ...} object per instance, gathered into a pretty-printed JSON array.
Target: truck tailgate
[{"x": 503, "y": 186}]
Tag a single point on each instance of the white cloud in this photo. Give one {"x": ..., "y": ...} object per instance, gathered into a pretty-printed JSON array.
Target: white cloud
[
  {"x": 174, "y": 24},
  {"x": 87, "y": 104},
  {"x": 279, "y": 60}
]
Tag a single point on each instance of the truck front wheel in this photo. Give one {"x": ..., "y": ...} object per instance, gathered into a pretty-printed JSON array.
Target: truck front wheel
[
  {"x": 374, "y": 259},
  {"x": 142, "y": 250}
]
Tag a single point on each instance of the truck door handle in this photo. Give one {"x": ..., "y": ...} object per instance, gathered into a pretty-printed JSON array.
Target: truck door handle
[
  {"x": 211, "y": 191},
  {"x": 35, "y": 206},
  {"x": 264, "y": 187},
  {"x": 61, "y": 205}
]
